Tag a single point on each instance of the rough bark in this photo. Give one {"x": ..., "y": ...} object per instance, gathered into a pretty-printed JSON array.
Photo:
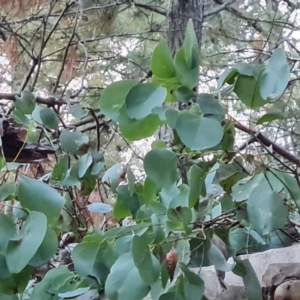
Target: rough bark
[{"x": 180, "y": 12}]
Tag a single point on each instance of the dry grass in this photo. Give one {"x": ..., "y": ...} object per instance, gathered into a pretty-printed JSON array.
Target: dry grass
[
  {"x": 72, "y": 64},
  {"x": 10, "y": 48}
]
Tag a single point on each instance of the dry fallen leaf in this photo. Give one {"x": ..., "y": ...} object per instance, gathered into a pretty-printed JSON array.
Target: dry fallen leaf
[{"x": 171, "y": 262}]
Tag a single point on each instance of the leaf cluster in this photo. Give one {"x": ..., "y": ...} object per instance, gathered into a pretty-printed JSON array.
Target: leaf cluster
[{"x": 197, "y": 188}]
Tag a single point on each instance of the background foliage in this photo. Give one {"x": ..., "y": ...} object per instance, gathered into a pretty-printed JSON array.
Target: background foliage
[{"x": 95, "y": 80}]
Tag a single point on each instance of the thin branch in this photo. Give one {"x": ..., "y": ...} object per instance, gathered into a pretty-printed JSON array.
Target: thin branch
[
  {"x": 39, "y": 58},
  {"x": 158, "y": 10},
  {"x": 66, "y": 55},
  {"x": 265, "y": 141},
  {"x": 290, "y": 4},
  {"x": 97, "y": 127},
  {"x": 239, "y": 13},
  {"x": 218, "y": 9},
  {"x": 163, "y": 12},
  {"x": 50, "y": 101},
  {"x": 86, "y": 120}
]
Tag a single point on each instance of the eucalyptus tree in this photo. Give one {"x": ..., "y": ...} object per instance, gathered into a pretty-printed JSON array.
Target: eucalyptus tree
[{"x": 88, "y": 80}]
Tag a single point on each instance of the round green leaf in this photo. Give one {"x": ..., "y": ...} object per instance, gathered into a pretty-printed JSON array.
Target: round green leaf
[
  {"x": 184, "y": 94},
  {"x": 193, "y": 284},
  {"x": 7, "y": 189},
  {"x": 40, "y": 290},
  {"x": 266, "y": 210},
  {"x": 143, "y": 98},
  {"x": 126, "y": 204},
  {"x": 245, "y": 270},
  {"x": 75, "y": 293},
  {"x": 15, "y": 284},
  {"x": 7, "y": 231},
  {"x": 229, "y": 75},
  {"x": 172, "y": 116},
  {"x": 196, "y": 179},
  {"x": 158, "y": 228},
  {"x": 8, "y": 297},
  {"x": 46, "y": 250},
  {"x": 88, "y": 184},
  {"x": 160, "y": 166},
  {"x": 210, "y": 106},
  {"x": 123, "y": 244},
  {"x": 149, "y": 191},
  {"x": 93, "y": 257},
  {"x": 84, "y": 163},
  {"x": 167, "y": 194},
  {"x": 97, "y": 168},
  {"x": 60, "y": 169},
  {"x": 164, "y": 274},
  {"x": 4, "y": 269},
  {"x": 175, "y": 294},
  {"x": 136, "y": 130},
  {"x": 112, "y": 175},
  {"x": 182, "y": 198},
  {"x": 21, "y": 118},
  {"x": 78, "y": 111},
  {"x": 187, "y": 74},
  {"x": 25, "y": 103},
  {"x": 19, "y": 212},
  {"x": 271, "y": 116},
  {"x": 158, "y": 144},
  {"x": 276, "y": 76},
  {"x": 178, "y": 219},
  {"x": 171, "y": 84},
  {"x": 124, "y": 281},
  {"x": 289, "y": 182},
  {"x": 247, "y": 89},
  {"x": 198, "y": 133},
  {"x": 113, "y": 98},
  {"x": 144, "y": 261},
  {"x": 228, "y": 140},
  {"x": 102, "y": 208},
  {"x": 49, "y": 118},
  {"x": 190, "y": 43},
  {"x": 73, "y": 142},
  {"x": 71, "y": 178},
  {"x": 238, "y": 239},
  {"x": 140, "y": 251},
  {"x": 62, "y": 282},
  {"x": 36, "y": 114},
  {"x": 242, "y": 190},
  {"x": 162, "y": 64},
  {"x": 22, "y": 247},
  {"x": 129, "y": 229},
  {"x": 217, "y": 258},
  {"x": 39, "y": 196}
]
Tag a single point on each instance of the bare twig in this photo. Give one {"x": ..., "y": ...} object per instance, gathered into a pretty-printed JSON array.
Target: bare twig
[
  {"x": 218, "y": 9},
  {"x": 95, "y": 117},
  {"x": 50, "y": 101}
]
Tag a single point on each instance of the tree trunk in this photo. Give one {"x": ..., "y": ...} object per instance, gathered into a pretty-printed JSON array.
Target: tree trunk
[{"x": 179, "y": 13}]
